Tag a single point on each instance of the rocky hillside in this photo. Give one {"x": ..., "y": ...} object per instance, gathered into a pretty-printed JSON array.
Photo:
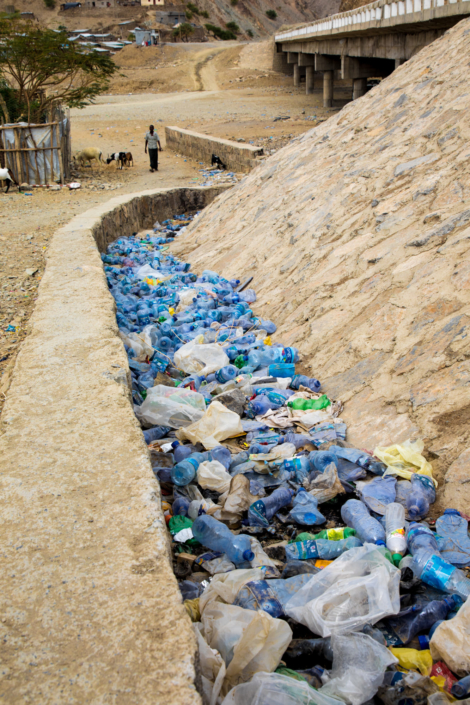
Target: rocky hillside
[{"x": 357, "y": 235}]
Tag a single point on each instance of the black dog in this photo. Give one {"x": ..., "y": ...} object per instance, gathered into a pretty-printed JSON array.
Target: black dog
[{"x": 218, "y": 162}]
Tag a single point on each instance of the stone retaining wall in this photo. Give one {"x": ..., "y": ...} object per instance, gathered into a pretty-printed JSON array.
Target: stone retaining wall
[
  {"x": 237, "y": 157},
  {"x": 91, "y": 612}
]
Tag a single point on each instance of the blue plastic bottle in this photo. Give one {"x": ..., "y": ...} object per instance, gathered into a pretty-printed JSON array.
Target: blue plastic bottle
[
  {"x": 356, "y": 515},
  {"x": 227, "y": 373},
  {"x": 221, "y": 454},
  {"x": 421, "y": 620},
  {"x": 320, "y": 548},
  {"x": 215, "y": 535},
  {"x": 290, "y": 355},
  {"x": 181, "y": 506},
  {"x": 305, "y": 510},
  {"x": 320, "y": 459},
  {"x": 300, "y": 466},
  {"x": 421, "y": 538},
  {"x": 305, "y": 381},
  {"x": 422, "y": 494},
  {"x": 436, "y": 572},
  {"x": 259, "y": 406},
  {"x": 262, "y": 511},
  {"x": 184, "y": 472},
  {"x": 155, "y": 433},
  {"x": 281, "y": 370},
  {"x": 461, "y": 689}
]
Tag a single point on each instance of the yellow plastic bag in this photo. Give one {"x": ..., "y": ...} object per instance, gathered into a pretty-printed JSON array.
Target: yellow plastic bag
[
  {"x": 192, "y": 608},
  {"x": 415, "y": 660},
  {"x": 405, "y": 459}
]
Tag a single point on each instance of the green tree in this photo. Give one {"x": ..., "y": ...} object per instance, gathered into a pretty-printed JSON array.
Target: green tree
[
  {"x": 234, "y": 2},
  {"x": 232, "y": 26},
  {"x": 272, "y": 14},
  {"x": 43, "y": 68},
  {"x": 250, "y": 33},
  {"x": 50, "y": 4},
  {"x": 183, "y": 31},
  {"x": 189, "y": 14},
  {"x": 205, "y": 14},
  {"x": 193, "y": 8},
  {"x": 224, "y": 34}
]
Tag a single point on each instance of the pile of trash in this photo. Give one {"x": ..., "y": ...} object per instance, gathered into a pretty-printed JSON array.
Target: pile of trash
[
  {"x": 312, "y": 570},
  {"x": 217, "y": 177}
]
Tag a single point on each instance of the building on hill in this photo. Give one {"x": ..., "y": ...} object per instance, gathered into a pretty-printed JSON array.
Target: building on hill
[
  {"x": 100, "y": 3},
  {"x": 170, "y": 17},
  {"x": 147, "y": 3}
]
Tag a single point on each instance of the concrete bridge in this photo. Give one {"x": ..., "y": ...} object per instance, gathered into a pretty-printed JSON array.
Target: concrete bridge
[{"x": 368, "y": 42}]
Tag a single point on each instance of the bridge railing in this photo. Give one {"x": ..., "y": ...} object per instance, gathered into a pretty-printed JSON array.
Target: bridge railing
[{"x": 374, "y": 12}]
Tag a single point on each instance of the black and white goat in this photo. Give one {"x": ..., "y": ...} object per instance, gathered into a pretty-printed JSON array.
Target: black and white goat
[{"x": 7, "y": 175}]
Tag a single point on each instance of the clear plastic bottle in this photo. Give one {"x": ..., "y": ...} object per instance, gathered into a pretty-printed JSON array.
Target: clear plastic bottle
[
  {"x": 320, "y": 459},
  {"x": 420, "y": 538},
  {"x": 227, "y": 373},
  {"x": 356, "y": 515},
  {"x": 184, "y": 472},
  {"x": 462, "y": 688},
  {"x": 305, "y": 381},
  {"x": 395, "y": 530},
  {"x": 423, "y": 493},
  {"x": 305, "y": 510},
  {"x": 262, "y": 511},
  {"x": 282, "y": 369},
  {"x": 436, "y": 572},
  {"x": 215, "y": 535},
  {"x": 320, "y": 548}
]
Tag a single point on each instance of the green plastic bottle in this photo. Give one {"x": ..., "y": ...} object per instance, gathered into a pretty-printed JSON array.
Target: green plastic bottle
[
  {"x": 309, "y": 404},
  {"x": 343, "y": 532}
]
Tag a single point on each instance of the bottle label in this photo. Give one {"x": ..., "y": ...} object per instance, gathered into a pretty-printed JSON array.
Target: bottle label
[
  {"x": 397, "y": 532},
  {"x": 437, "y": 572},
  {"x": 335, "y": 534},
  {"x": 301, "y": 550}
]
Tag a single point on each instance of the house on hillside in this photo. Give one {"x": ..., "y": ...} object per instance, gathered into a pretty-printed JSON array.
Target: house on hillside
[
  {"x": 100, "y": 3},
  {"x": 171, "y": 17},
  {"x": 146, "y": 3}
]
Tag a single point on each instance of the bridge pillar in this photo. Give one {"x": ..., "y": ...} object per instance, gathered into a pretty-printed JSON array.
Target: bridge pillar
[
  {"x": 309, "y": 83},
  {"x": 328, "y": 78},
  {"x": 296, "y": 75},
  {"x": 359, "y": 87}
]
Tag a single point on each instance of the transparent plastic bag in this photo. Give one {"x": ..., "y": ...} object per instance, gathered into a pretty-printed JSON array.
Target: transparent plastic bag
[
  {"x": 212, "y": 669},
  {"x": 224, "y": 587},
  {"x": 248, "y": 641},
  {"x": 175, "y": 407},
  {"x": 200, "y": 358},
  {"x": 327, "y": 485},
  {"x": 212, "y": 475},
  {"x": 275, "y": 689},
  {"x": 359, "y": 664},
  {"x": 141, "y": 349},
  {"x": 360, "y": 587},
  {"x": 217, "y": 424},
  {"x": 450, "y": 642}
]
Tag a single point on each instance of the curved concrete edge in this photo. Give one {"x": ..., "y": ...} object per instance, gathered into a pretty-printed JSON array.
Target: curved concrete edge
[{"x": 91, "y": 612}]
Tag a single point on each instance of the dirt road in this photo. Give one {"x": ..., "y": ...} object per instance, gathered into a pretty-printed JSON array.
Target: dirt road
[{"x": 119, "y": 122}]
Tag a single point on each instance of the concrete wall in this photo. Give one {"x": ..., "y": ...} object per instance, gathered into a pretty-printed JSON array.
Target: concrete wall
[
  {"x": 91, "y": 612},
  {"x": 237, "y": 157}
]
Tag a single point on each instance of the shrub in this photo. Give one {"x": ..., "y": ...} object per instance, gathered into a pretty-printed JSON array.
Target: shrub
[
  {"x": 234, "y": 2},
  {"x": 50, "y": 4},
  {"x": 193, "y": 8},
  {"x": 272, "y": 14},
  {"x": 183, "y": 31},
  {"x": 250, "y": 33},
  {"x": 232, "y": 26},
  {"x": 205, "y": 14},
  {"x": 189, "y": 14},
  {"x": 224, "y": 34}
]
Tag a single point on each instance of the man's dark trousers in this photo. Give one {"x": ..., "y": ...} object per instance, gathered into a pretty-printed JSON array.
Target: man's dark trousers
[{"x": 153, "y": 154}]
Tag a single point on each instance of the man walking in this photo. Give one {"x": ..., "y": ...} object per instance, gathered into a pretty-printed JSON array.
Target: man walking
[{"x": 152, "y": 142}]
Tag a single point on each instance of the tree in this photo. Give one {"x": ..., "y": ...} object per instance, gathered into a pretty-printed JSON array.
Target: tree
[
  {"x": 250, "y": 33},
  {"x": 43, "y": 68},
  {"x": 232, "y": 26},
  {"x": 224, "y": 34},
  {"x": 183, "y": 31},
  {"x": 272, "y": 14}
]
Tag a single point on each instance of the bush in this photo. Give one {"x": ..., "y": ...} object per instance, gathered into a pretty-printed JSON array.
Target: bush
[
  {"x": 50, "y": 4},
  {"x": 272, "y": 14},
  {"x": 205, "y": 14},
  {"x": 183, "y": 31},
  {"x": 193, "y": 8},
  {"x": 250, "y": 33},
  {"x": 232, "y": 26},
  {"x": 219, "y": 32},
  {"x": 234, "y": 2},
  {"x": 189, "y": 14}
]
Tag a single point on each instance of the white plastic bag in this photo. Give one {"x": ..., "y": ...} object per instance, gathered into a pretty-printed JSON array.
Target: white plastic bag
[
  {"x": 217, "y": 424},
  {"x": 327, "y": 485},
  {"x": 450, "y": 642},
  {"x": 171, "y": 406},
  {"x": 224, "y": 587},
  {"x": 197, "y": 357},
  {"x": 359, "y": 664},
  {"x": 274, "y": 689},
  {"x": 212, "y": 668},
  {"x": 140, "y": 348},
  {"x": 360, "y": 587},
  {"x": 248, "y": 641},
  {"x": 212, "y": 475}
]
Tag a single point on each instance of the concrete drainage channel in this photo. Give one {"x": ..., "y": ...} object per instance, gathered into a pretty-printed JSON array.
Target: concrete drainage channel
[{"x": 91, "y": 611}]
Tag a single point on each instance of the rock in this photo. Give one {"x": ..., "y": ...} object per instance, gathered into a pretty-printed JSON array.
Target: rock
[
  {"x": 55, "y": 187},
  {"x": 25, "y": 185},
  {"x": 233, "y": 400},
  {"x": 30, "y": 272}
]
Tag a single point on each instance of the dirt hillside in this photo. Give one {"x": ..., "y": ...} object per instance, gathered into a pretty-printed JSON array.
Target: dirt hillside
[{"x": 357, "y": 237}]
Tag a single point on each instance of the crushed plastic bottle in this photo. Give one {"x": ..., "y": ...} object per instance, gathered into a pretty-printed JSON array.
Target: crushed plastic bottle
[
  {"x": 355, "y": 514},
  {"x": 215, "y": 535}
]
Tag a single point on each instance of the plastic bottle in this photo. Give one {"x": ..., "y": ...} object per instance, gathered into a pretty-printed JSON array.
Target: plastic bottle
[
  {"x": 155, "y": 433},
  {"x": 436, "y": 572},
  {"x": 262, "y": 511},
  {"x": 423, "y": 493},
  {"x": 355, "y": 514},
  {"x": 342, "y": 532},
  {"x": 305, "y": 508},
  {"x": 320, "y": 548},
  {"x": 304, "y": 381},
  {"x": 421, "y": 620},
  {"x": 420, "y": 538},
  {"x": 225, "y": 374},
  {"x": 259, "y": 406},
  {"x": 281, "y": 369},
  {"x": 215, "y": 535},
  {"x": 461, "y": 689},
  {"x": 184, "y": 472},
  {"x": 300, "y": 466},
  {"x": 181, "y": 506},
  {"x": 320, "y": 459},
  {"x": 395, "y": 530}
]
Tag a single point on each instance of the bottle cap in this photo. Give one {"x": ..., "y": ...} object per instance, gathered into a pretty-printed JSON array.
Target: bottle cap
[
  {"x": 248, "y": 555},
  {"x": 380, "y": 543},
  {"x": 396, "y": 558},
  {"x": 423, "y": 642}
]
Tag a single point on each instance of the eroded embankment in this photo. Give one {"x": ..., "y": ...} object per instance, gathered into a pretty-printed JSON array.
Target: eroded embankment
[
  {"x": 90, "y": 606},
  {"x": 356, "y": 236}
]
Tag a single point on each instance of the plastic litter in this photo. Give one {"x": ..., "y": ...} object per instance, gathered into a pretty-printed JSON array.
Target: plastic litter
[{"x": 249, "y": 454}]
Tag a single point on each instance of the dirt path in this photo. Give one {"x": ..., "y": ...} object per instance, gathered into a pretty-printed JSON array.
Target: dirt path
[{"x": 205, "y": 73}]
